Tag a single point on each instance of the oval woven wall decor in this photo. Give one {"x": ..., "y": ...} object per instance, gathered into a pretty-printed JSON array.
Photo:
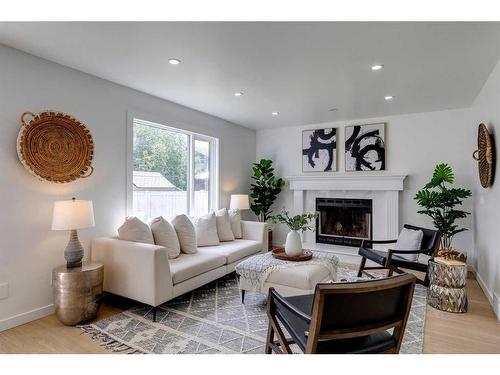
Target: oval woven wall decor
[
  {"x": 485, "y": 155},
  {"x": 55, "y": 147}
]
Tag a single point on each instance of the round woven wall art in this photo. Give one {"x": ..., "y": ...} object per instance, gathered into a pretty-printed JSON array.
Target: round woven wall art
[
  {"x": 485, "y": 155},
  {"x": 55, "y": 146}
]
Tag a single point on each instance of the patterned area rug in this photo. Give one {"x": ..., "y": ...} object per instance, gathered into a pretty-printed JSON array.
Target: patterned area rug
[{"x": 211, "y": 319}]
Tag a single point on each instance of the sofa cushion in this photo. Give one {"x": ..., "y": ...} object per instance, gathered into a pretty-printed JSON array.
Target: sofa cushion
[
  {"x": 186, "y": 266},
  {"x": 165, "y": 235},
  {"x": 135, "y": 230},
  {"x": 300, "y": 277},
  {"x": 206, "y": 230},
  {"x": 224, "y": 225},
  {"x": 235, "y": 250},
  {"x": 185, "y": 233},
  {"x": 235, "y": 219}
]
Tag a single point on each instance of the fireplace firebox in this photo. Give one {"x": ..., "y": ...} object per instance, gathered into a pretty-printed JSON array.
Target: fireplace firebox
[{"x": 343, "y": 221}]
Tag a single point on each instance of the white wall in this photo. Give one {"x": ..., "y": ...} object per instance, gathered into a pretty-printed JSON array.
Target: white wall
[
  {"x": 28, "y": 248},
  {"x": 415, "y": 143},
  {"x": 486, "y": 109}
]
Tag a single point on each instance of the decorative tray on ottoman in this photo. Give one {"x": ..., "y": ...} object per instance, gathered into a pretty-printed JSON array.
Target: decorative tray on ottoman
[{"x": 279, "y": 253}]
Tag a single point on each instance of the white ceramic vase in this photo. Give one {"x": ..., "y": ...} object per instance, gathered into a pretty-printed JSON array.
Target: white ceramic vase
[{"x": 293, "y": 245}]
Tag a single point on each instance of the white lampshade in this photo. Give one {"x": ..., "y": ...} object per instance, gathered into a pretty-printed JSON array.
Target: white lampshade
[
  {"x": 72, "y": 214},
  {"x": 239, "y": 201}
]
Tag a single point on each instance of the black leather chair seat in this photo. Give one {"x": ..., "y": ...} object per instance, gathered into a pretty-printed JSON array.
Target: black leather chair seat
[
  {"x": 380, "y": 257},
  {"x": 374, "y": 343},
  {"x": 298, "y": 329},
  {"x": 376, "y": 256}
]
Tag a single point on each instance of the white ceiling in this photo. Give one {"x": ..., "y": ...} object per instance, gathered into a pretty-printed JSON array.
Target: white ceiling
[{"x": 299, "y": 69}]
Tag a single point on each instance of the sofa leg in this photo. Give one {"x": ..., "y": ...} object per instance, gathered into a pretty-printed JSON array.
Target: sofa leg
[
  {"x": 242, "y": 296},
  {"x": 154, "y": 313}
]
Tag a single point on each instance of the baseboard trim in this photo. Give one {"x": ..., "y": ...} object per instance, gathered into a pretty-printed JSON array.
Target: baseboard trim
[
  {"x": 26, "y": 317},
  {"x": 491, "y": 296}
]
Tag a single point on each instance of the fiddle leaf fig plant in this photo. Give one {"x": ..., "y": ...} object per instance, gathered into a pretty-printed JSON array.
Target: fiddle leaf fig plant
[
  {"x": 441, "y": 202},
  {"x": 265, "y": 189},
  {"x": 297, "y": 222}
]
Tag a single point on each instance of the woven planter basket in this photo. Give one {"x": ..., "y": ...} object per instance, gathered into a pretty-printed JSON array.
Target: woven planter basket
[{"x": 55, "y": 147}]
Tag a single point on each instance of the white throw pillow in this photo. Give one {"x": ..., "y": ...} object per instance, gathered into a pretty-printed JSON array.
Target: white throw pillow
[
  {"x": 164, "y": 235},
  {"x": 206, "y": 230},
  {"x": 235, "y": 219},
  {"x": 224, "y": 225},
  {"x": 185, "y": 233},
  {"x": 409, "y": 239},
  {"x": 135, "y": 230}
]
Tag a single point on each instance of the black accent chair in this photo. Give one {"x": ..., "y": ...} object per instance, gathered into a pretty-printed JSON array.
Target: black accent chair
[
  {"x": 393, "y": 262},
  {"x": 342, "y": 318}
]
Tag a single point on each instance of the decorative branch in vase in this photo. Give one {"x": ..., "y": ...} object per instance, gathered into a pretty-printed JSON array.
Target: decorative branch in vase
[
  {"x": 440, "y": 202},
  {"x": 293, "y": 245}
]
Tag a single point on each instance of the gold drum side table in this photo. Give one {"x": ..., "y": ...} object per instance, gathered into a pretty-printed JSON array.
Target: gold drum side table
[
  {"x": 447, "y": 288},
  {"x": 77, "y": 292}
]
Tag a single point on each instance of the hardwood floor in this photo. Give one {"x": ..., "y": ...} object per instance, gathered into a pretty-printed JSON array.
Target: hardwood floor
[{"x": 477, "y": 331}]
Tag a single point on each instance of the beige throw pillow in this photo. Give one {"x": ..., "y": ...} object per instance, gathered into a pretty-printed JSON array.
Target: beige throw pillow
[
  {"x": 235, "y": 219},
  {"x": 409, "y": 239},
  {"x": 224, "y": 225},
  {"x": 206, "y": 230},
  {"x": 185, "y": 233},
  {"x": 164, "y": 235},
  {"x": 135, "y": 230}
]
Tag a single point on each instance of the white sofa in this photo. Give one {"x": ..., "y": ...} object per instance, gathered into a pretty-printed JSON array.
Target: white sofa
[{"x": 144, "y": 273}]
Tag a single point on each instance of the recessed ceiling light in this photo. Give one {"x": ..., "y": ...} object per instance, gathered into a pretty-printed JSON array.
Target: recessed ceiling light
[
  {"x": 238, "y": 93},
  {"x": 275, "y": 113},
  {"x": 377, "y": 67},
  {"x": 174, "y": 61},
  {"x": 388, "y": 97}
]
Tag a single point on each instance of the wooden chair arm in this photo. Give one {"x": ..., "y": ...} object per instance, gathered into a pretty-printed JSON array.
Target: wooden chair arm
[
  {"x": 391, "y": 252},
  {"x": 421, "y": 251},
  {"x": 301, "y": 315},
  {"x": 365, "y": 242}
]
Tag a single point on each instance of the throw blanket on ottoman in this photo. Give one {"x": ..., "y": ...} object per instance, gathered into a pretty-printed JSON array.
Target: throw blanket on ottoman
[{"x": 256, "y": 270}]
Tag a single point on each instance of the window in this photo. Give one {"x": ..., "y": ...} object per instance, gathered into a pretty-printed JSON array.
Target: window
[{"x": 174, "y": 171}]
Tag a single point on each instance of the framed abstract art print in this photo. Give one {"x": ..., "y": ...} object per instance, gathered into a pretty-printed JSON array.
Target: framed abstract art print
[
  {"x": 365, "y": 147},
  {"x": 319, "y": 150}
]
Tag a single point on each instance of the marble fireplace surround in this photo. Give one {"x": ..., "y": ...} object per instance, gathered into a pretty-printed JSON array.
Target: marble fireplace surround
[{"x": 382, "y": 188}]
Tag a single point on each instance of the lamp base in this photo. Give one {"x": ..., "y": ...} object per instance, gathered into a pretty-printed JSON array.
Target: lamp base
[{"x": 74, "y": 251}]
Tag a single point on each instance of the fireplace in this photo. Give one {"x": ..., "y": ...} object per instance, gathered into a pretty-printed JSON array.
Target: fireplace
[{"x": 343, "y": 221}]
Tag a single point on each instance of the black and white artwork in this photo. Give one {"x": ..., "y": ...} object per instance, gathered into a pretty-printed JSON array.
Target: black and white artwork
[
  {"x": 319, "y": 150},
  {"x": 365, "y": 148}
]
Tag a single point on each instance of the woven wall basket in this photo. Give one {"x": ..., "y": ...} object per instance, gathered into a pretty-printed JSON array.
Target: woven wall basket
[
  {"x": 485, "y": 156},
  {"x": 55, "y": 147}
]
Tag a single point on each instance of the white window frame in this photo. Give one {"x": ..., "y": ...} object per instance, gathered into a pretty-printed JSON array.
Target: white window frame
[{"x": 192, "y": 136}]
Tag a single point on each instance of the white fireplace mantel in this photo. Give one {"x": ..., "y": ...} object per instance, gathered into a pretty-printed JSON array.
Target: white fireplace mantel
[
  {"x": 347, "y": 181},
  {"x": 382, "y": 188}
]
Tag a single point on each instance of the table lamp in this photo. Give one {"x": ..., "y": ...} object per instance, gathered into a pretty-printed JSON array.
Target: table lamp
[
  {"x": 239, "y": 201},
  {"x": 72, "y": 215}
]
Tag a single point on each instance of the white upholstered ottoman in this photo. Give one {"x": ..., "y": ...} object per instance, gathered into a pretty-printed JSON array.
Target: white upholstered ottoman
[{"x": 261, "y": 272}]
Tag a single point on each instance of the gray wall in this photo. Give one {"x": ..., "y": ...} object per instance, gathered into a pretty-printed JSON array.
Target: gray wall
[
  {"x": 486, "y": 109},
  {"x": 28, "y": 248}
]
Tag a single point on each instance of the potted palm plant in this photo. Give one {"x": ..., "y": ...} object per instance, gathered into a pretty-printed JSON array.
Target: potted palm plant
[
  {"x": 441, "y": 202},
  {"x": 293, "y": 245}
]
